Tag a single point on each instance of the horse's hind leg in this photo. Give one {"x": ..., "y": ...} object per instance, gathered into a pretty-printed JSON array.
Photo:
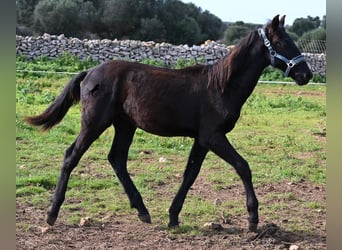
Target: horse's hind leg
[
  {"x": 124, "y": 133},
  {"x": 192, "y": 169},
  {"x": 72, "y": 156}
]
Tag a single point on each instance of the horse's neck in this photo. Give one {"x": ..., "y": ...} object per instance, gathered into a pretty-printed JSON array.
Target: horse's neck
[{"x": 244, "y": 81}]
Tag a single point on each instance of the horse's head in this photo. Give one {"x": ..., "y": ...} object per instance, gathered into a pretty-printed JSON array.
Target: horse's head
[{"x": 283, "y": 53}]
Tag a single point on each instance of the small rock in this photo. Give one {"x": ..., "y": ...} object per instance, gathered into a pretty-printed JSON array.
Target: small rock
[
  {"x": 44, "y": 229},
  {"x": 106, "y": 218},
  {"x": 84, "y": 221},
  {"x": 294, "y": 247},
  {"x": 60, "y": 37},
  {"x": 225, "y": 219},
  {"x": 218, "y": 202},
  {"x": 162, "y": 160},
  {"x": 213, "y": 225},
  {"x": 145, "y": 152}
]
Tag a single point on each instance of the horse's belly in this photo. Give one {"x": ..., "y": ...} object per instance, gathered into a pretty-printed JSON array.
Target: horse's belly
[
  {"x": 162, "y": 115},
  {"x": 164, "y": 123}
]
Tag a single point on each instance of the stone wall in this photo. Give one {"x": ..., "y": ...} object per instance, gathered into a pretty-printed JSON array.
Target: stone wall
[{"x": 102, "y": 50}]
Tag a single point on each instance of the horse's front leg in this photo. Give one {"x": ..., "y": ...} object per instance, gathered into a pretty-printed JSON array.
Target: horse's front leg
[
  {"x": 192, "y": 169},
  {"x": 219, "y": 144}
]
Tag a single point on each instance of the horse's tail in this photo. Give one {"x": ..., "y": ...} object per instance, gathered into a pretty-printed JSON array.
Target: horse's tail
[{"x": 60, "y": 106}]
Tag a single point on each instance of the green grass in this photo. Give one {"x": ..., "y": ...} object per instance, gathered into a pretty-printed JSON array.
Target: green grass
[
  {"x": 67, "y": 63},
  {"x": 281, "y": 133}
]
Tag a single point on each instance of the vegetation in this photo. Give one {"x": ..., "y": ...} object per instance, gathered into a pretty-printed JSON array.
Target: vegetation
[
  {"x": 302, "y": 28},
  {"x": 302, "y": 25},
  {"x": 69, "y": 63},
  {"x": 235, "y": 31},
  {"x": 159, "y": 20},
  {"x": 281, "y": 133}
]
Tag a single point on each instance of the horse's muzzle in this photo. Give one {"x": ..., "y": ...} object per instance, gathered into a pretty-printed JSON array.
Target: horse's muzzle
[{"x": 302, "y": 78}]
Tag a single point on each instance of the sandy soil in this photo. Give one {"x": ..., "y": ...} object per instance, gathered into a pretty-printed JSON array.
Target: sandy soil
[{"x": 127, "y": 232}]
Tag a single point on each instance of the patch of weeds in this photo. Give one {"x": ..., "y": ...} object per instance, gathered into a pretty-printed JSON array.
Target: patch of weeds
[
  {"x": 289, "y": 196},
  {"x": 259, "y": 102},
  {"x": 184, "y": 229},
  {"x": 198, "y": 210},
  {"x": 219, "y": 187},
  {"x": 235, "y": 207},
  {"x": 278, "y": 207},
  {"x": 30, "y": 190},
  {"x": 25, "y": 227},
  {"x": 101, "y": 184},
  {"x": 74, "y": 217},
  {"x": 298, "y": 225},
  {"x": 154, "y": 62},
  {"x": 72, "y": 207},
  {"x": 314, "y": 205},
  {"x": 34, "y": 184}
]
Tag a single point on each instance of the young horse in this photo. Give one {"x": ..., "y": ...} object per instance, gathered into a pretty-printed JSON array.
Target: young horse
[{"x": 202, "y": 102}]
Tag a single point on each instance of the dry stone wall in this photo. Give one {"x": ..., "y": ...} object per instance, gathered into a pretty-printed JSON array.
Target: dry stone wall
[{"x": 102, "y": 50}]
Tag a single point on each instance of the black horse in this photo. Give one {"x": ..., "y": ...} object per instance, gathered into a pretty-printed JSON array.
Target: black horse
[{"x": 202, "y": 102}]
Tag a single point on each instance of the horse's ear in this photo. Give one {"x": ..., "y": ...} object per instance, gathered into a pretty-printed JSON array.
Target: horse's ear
[
  {"x": 275, "y": 23},
  {"x": 282, "y": 20}
]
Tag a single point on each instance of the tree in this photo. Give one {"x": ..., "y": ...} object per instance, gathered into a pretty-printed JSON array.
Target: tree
[
  {"x": 211, "y": 26},
  {"x": 87, "y": 16},
  {"x": 234, "y": 33},
  {"x": 317, "y": 34},
  {"x": 58, "y": 17},
  {"x": 302, "y": 25},
  {"x": 120, "y": 17},
  {"x": 147, "y": 8},
  {"x": 324, "y": 22},
  {"x": 160, "y": 20},
  {"x": 171, "y": 12},
  {"x": 189, "y": 31},
  {"x": 186, "y": 23},
  {"x": 25, "y": 10},
  {"x": 152, "y": 29}
]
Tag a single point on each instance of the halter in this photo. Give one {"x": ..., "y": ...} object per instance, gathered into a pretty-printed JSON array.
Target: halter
[{"x": 273, "y": 54}]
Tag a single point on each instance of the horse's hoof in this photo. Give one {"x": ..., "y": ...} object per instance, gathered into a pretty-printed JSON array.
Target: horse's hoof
[
  {"x": 51, "y": 220},
  {"x": 253, "y": 227},
  {"x": 145, "y": 218}
]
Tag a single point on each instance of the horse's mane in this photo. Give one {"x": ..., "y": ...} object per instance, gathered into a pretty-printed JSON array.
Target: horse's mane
[
  {"x": 194, "y": 69},
  {"x": 220, "y": 73}
]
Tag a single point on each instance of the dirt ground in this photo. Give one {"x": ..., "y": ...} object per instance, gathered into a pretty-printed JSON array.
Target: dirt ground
[{"x": 127, "y": 232}]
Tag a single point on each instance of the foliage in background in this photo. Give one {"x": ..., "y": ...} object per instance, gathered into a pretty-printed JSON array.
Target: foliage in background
[
  {"x": 302, "y": 25},
  {"x": 317, "y": 34},
  {"x": 69, "y": 63},
  {"x": 53, "y": 67},
  {"x": 159, "y": 20},
  {"x": 310, "y": 28},
  {"x": 234, "y": 32},
  {"x": 54, "y": 16}
]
